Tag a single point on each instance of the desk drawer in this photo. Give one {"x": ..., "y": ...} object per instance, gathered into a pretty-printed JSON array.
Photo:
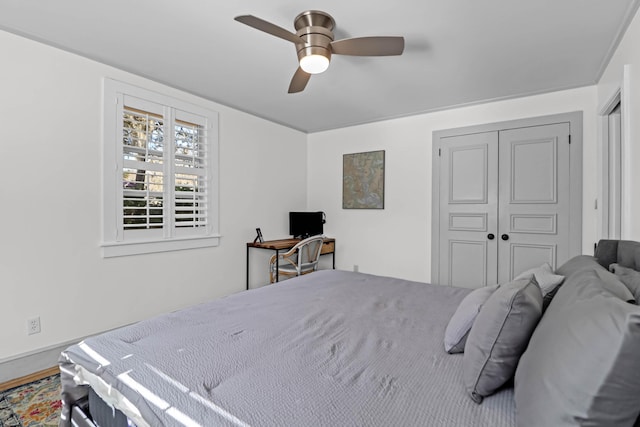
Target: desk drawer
[{"x": 328, "y": 248}]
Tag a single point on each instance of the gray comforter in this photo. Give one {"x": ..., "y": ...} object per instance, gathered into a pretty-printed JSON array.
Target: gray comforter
[{"x": 331, "y": 348}]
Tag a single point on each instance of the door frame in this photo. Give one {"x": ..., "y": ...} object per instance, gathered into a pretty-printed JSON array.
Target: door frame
[
  {"x": 575, "y": 175},
  {"x": 604, "y": 200},
  {"x": 621, "y": 95}
]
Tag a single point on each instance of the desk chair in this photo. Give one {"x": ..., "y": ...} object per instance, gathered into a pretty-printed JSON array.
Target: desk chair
[{"x": 300, "y": 259}]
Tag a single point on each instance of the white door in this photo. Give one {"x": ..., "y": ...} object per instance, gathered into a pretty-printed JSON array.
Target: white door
[
  {"x": 468, "y": 210},
  {"x": 504, "y": 203},
  {"x": 533, "y": 206}
]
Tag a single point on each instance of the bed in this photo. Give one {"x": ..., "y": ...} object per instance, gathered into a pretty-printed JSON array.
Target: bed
[{"x": 330, "y": 348}]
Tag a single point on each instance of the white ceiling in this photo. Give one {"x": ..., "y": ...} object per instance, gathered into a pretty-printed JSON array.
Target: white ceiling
[{"x": 456, "y": 51}]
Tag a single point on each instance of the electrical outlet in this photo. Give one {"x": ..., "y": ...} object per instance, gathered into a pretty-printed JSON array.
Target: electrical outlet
[
  {"x": 33, "y": 326},
  {"x": 356, "y": 268}
]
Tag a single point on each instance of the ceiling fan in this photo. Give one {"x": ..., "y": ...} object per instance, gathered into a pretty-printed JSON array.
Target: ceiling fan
[{"x": 315, "y": 45}]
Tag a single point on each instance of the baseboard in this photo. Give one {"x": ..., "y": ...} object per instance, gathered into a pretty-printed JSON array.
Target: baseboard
[
  {"x": 34, "y": 361},
  {"x": 29, "y": 378},
  {"x": 26, "y": 364}
]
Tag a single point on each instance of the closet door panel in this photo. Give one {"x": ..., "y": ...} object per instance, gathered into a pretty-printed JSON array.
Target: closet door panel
[
  {"x": 533, "y": 198},
  {"x": 468, "y": 210}
]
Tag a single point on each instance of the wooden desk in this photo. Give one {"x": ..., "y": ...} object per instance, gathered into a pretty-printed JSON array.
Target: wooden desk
[{"x": 328, "y": 247}]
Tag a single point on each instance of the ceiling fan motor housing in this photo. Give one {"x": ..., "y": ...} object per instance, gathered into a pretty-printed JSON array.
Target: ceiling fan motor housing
[
  {"x": 314, "y": 27},
  {"x": 317, "y": 41},
  {"x": 314, "y": 18}
]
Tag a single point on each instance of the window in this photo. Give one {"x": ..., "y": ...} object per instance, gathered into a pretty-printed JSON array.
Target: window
[{"x": 160, "y": 173}]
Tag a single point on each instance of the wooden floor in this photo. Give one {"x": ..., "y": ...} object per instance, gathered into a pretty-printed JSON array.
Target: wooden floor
[{"x": 29, "y": 378}]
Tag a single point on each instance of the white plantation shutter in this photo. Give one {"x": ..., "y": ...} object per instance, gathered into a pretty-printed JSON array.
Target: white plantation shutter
[
  {"x": 143, "y": 170},
  {"x": 190, "y": 165},
  {"x": 166, "y": 162}
]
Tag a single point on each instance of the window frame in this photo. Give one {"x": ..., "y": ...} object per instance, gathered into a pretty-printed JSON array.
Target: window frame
[{"x": 114, "y": 242}]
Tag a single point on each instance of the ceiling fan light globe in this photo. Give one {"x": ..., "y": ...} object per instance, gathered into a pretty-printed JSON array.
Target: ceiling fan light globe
[{"x": 314, "y": 64}]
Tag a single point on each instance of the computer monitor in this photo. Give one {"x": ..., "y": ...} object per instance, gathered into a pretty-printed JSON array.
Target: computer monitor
[{"x": 305, "y": 224}]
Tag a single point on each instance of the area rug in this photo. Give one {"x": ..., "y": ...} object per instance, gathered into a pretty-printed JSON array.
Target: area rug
[{"x": 36, "y": 404}]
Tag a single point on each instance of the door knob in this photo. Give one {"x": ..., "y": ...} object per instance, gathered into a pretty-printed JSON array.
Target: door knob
[
  {"x": 490, "y": 236},
  {"x": 505, "y": 237}
]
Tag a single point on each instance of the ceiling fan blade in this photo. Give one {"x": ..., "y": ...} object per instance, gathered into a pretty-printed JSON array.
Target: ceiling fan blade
[
  {"x": 369, "y": 46},
  {"x": 299, "y": 81},
  {"x": 268, "y": 27}
]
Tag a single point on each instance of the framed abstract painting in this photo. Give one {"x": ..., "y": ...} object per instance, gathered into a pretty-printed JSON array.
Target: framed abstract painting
[{"x": 363, "y": 180}]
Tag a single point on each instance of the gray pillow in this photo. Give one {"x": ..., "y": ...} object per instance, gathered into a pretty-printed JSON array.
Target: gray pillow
[
  {"x": 499, "y": 336},
  {"x": 619, "y": 270},
  {"x": 629, "y": 277},
  {"x": 582, "y": 263},
  {"x": 545, "y": 277},
  {"x": 455, "y": 336},
  {"x": 613, "y": 284},
  {"x": 581, "y": 366},
  {"x": 578, "y": 263}
]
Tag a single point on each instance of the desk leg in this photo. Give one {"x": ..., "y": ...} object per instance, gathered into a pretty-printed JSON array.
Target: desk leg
[
  {"x": 247, "y": 267},
  {"x": 277, "y": 265},
  {"x": 334, "y": 259}
]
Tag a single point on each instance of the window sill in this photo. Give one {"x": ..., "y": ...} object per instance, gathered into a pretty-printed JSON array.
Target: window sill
[{"x": 117, "y": 249}]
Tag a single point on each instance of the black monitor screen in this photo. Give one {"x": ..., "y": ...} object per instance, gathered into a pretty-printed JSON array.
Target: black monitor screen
[{"x": 305, "y": 224}]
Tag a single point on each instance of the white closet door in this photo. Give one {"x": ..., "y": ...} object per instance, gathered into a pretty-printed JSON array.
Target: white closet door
[
  {"x": 504, "y": 203},
  {"x": 468, "y": 210},
  {"x": 533, "y": 202}
]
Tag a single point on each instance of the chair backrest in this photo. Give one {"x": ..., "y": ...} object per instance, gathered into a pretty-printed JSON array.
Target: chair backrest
[{"x": 308, "y": 251}]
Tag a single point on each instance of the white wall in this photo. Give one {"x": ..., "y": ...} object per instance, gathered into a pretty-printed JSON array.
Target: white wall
[
  {"x": 50, "y": 262},
  {"x": 627, "y": 54},
  {"x": 396, "y": 241}
]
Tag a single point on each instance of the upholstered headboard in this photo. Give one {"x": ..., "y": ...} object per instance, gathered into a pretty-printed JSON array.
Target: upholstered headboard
[{"x": 624, "y": 252}]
